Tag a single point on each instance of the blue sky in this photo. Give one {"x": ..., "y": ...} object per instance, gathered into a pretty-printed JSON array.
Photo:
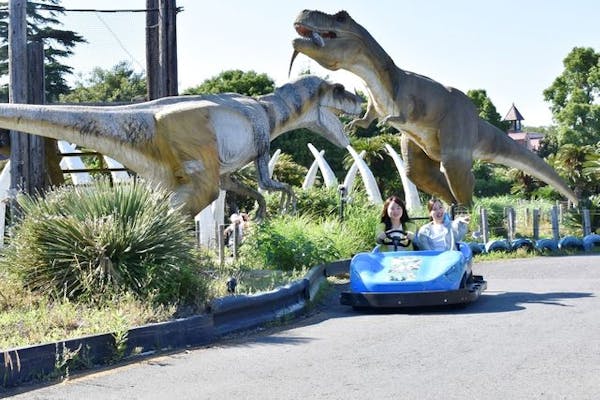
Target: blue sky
[{"x": 512, "y": 48}]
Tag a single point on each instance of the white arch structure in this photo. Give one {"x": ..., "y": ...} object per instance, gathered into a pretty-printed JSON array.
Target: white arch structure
[
  {"x": 413, "y": 202},
  {"x": 411, "y": 193},
  {"x": 351, "y": 174},
  {"x": 311, "y": 175},
  {"x": 367, "y": 176},
  {"x": 328, "y": 176}
]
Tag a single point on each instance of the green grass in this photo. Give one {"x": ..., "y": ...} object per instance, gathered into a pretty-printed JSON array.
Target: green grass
[{"x": 104, "y": 259}]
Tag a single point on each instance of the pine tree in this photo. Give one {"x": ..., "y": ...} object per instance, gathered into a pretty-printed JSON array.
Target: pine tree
[{"x": 42, "y": 19}]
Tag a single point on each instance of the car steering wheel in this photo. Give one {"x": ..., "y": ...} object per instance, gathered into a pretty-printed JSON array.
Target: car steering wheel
[{"x": 397, "y": 238}]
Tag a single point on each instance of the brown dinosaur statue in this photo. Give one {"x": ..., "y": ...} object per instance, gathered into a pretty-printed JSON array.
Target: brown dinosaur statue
[
  {"x": 191, "y": 144},
  {"x": 442, "y": 131}
]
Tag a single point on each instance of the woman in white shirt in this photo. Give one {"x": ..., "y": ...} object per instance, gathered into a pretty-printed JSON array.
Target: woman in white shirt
[{"x": 441, "y": 233}]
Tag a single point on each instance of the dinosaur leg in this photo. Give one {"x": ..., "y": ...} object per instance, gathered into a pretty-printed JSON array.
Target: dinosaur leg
[
  {"x": 456, "y": 153},
  {"x": 266, "y": 183},
  {"x": 460, "y": 178},
  {"x": 229, "y": 183},
  {"x": 424, "y": 172}
]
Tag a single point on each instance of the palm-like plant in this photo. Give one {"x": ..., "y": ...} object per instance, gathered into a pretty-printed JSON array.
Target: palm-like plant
[
  {"x": 591, "y": 166},
  {"x": 569, "y": 163},
  {"x": 94, "y": 241}
]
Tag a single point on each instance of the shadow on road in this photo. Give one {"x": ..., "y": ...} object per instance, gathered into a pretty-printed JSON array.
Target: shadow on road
[
  {"x": 515, "y": 301},
  {"x": 330, "y": 308}
]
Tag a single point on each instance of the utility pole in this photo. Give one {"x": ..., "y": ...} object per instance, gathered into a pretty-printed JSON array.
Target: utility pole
[
  {"x": 17, "y": 93},
  {"x": 26, "y": 72},
  {"x": 36, "y": 94},
  {"x": 161, "y": 48}
]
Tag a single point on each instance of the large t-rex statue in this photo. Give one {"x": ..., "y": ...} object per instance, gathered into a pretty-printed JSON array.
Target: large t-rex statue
[
  {"x": 442, "y": 132},
  {"x": 190, "y": 144}
]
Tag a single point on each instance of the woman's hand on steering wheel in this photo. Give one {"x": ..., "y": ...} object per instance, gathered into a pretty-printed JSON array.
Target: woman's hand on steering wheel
[{"x": 397, "y": 237}]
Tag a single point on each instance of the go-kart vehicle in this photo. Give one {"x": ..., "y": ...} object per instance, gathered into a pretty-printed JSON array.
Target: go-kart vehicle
[{"x": 420, "y": 278}]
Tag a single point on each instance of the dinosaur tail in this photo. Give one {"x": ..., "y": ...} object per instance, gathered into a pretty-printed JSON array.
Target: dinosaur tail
[
  {"x": 497, "y": 147},
  {"x": 100, "y": 128}
]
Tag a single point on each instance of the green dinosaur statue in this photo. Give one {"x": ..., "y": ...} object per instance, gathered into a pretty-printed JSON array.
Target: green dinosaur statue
[
  {"x": 191, "y": 144},
  {"x": 442, "y": 132}
]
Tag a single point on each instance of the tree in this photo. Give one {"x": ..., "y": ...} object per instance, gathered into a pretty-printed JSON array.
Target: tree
[
  {"x": 236, "y": 81},
  {"x": 574, "y": 98},
  {"x": 119, "y": 84},
  {"x": 487, "y": 109},
  {"x": 569, "y": 162},
  {"x": 41, "y": 21}
]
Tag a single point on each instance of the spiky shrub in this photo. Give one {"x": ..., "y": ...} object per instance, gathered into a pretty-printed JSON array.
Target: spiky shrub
[{"x": 95, "y": 241}]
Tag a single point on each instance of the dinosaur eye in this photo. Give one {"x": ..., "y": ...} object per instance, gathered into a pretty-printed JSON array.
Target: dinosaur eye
[
  {"x": 341, "y": 16},
  {"x": 338, "y": 89}
]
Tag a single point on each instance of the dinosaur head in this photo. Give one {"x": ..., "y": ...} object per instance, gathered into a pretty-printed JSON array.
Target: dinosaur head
[
  {"x": 333, "y": 101},
  {"x": 331, "y": 40},
  {"x": 313, "y": 103}
]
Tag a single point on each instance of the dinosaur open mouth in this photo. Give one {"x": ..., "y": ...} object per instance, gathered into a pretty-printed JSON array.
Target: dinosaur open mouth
[{"x": 315, "y": 37}]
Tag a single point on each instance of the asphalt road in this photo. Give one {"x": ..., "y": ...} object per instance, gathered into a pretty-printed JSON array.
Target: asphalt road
[{"x": 534, "y": 334}]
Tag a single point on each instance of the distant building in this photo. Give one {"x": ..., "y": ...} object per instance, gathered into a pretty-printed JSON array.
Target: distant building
[{"x": 531, "y": 140}]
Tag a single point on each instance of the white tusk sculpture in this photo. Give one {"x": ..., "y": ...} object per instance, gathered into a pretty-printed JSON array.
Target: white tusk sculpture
[
  {"x": 413, "y": 203},
  {"x": 311, "y": 175},
  {"x": 273, "y": 161},
  {"x": 351, "y": 174},
  {"x": 367, "y": 176},
  {"x": 328, "y": 176}
]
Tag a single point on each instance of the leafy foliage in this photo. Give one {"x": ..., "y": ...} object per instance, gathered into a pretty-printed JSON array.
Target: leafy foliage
[
  {"x": 93, "y": 242},
  {"x": 42, "y": 19},
  {"x": 248, "y": 83},
  {"x": 490, "y": 180},
  {"x": 287, "y": 170},
  {"x": 487, "y": 110},
  {"x": 574, "y": 98},
  {"x": 287, "y": 243},
  {"x": 569, "y": 162},
  {"x": 119, "y": 84},
  {"x": 316, "y": 235}
]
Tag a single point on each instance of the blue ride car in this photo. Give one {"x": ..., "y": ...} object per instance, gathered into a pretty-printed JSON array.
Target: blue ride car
[{"x": 420, "y": 278}]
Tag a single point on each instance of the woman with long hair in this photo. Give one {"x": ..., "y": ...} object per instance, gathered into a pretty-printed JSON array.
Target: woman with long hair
[{"x": 393, "y": 217}]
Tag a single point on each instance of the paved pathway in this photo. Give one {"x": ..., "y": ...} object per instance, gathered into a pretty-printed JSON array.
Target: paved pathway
[{"x": 535, "y": 334}]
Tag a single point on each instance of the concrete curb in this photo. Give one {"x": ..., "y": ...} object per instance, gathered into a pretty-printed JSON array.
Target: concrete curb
[{"x": 52, "y": 361}]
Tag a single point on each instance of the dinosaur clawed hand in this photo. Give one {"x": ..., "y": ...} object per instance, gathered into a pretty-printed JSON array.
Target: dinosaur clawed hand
[
  {"x": 287, "y": 205},
  {"x": 391, "y": 119},
  {"x": 357, "y": 123}
]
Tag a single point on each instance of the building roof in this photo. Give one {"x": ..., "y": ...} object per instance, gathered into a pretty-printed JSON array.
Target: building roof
[{"x": 513, "y": 114}]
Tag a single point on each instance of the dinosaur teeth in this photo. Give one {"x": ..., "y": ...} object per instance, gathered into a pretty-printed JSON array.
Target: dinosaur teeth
[
  {"x": 294, "y": 54},
  {"x": 317, "y": 39}
]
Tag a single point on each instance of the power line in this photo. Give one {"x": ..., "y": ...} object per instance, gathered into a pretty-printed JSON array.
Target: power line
[
  {"x": 50, "y": 7},
  {"x": 119, "y": 41}
]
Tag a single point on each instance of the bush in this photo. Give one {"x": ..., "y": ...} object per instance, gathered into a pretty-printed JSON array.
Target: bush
[
  {"x": 91, "y": 243},
  {"x": 315, "y": 236},
  {"x": 287, "y": 243}
]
